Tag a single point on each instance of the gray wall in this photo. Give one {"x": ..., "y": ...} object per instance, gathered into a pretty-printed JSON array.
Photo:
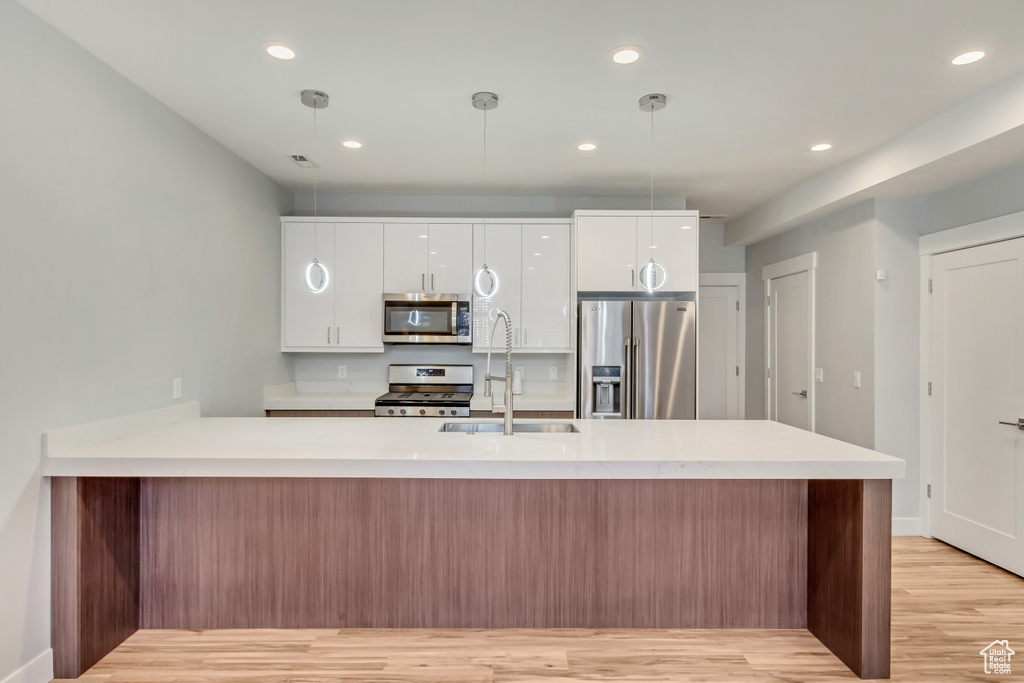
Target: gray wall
[
  {"x": 715, "y": 257},
  {"x": 514, "y": 206},
  {"x": 135, "y": 250},
  {"x": 995, "y": 194},
  {"x": 844, "y": 312}
]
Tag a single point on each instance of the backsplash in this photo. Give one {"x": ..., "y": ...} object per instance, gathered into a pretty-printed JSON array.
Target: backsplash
[{"x": 368, "y": 372}]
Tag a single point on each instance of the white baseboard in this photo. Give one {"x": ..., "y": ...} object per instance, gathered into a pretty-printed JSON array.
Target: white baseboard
[
  {"x": 39, "y": 670},
  {"x": 906, "y": 526}
]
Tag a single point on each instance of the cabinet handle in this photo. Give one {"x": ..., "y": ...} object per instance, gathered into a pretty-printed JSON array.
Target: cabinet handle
[
  {"x": 423, "y": 281},
  {"x": 328, "y": 334},
  {"x": 517, "y": 336},
  {"x": 524, "y": 336},
  {"x": 431, "y": 282},
  {"x": 632, "y": 277},
  {"x": 337, "y": 334}
]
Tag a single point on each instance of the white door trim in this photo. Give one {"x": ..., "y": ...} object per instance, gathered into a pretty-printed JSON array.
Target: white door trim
[
  {"x": 738, "y": 280},
  {"x": 797, "y": 264},
  {"x": 998, "y": 229},
  {"x": 1010, "y": 226}
]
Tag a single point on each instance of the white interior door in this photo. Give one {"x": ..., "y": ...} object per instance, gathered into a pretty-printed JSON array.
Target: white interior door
[
  {"x": 977, "y": 375},
  {"x": 718, "y": 340},
  {"x": 790, "y": 309}
]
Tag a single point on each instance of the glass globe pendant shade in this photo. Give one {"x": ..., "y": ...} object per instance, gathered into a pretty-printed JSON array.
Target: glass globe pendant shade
[
  {"x": 324, "y": 277},
  {"x": 478, "y": 284}
]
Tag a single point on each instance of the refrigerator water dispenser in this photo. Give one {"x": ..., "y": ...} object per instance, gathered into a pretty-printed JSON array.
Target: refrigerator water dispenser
[{"x": 607, "y": 391}]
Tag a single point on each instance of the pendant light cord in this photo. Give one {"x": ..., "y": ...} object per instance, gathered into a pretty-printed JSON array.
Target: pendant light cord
[
  {"x": 652, "y": 183},
  {"x": 315, "y": 252},
  {"x": 485, "y": 188}
]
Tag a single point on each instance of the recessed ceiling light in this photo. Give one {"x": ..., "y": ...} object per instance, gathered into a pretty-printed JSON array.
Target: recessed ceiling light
[
  {"x": 545, "y": 237},
  {"x": 626, "y": 54},
  {"x": 968, "y": 57},
  {"x": 352, "y": 144},
  {"x": 280, "y": 51},
  {"x": 822, "y": 147},
  {"x": 537, "y": 254},
  {"x": 587, "y": 147}
]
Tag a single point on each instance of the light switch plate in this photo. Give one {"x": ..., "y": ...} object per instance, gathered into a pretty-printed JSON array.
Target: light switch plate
[
  {"x": 552, "y": 373},
  {"x": 342, "y": 371},
  {"x": 856, "y": 379},
  {"x": 819, "y": 375},
  {"x": 176, "y": 391}
]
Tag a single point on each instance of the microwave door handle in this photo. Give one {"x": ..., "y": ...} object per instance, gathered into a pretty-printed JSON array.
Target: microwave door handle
[{"x": 455, "y": 316}]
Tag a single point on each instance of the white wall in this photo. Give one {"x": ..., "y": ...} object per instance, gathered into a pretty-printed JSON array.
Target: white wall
[
  {"x": 135, "y": 250},
  {"x": 844, "y": 325}
]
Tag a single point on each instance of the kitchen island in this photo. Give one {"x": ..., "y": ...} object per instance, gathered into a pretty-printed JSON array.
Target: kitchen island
[{"x": 169, "y": 520}]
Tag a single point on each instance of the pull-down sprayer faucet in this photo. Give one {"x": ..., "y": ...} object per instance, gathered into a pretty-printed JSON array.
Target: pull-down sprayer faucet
[{"x": 507, "y": 379}]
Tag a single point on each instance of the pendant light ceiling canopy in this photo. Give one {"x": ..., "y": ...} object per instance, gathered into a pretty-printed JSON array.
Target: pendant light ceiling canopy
[
  {"x": 315, "y": 99},
  {"x": 485, "y": 101},
  {"x": 649, "y": 274}
]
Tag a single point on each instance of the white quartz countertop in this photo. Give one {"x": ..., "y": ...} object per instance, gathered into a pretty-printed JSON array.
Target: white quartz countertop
[
  {"x": 181, "y": 444},
  {"x": 285, "y": 397}
]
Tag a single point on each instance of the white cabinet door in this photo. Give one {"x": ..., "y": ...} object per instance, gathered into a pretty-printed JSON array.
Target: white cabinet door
[
  {"x": 405, "y": 257},
  {"x": 675, "y": 250},
  {"x": 545, "y": 306},
  {"x": 504, "y": 246},
  {"x": 450, "y": 259},
  {"x": 606, "y": 253},
  {"x": 359, "y": 283},
  {"x": 307, "y": 318}
]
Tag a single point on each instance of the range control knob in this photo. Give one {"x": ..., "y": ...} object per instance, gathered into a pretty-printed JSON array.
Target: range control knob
[
  {"x": 391, "y": 411},
  {"x": 441, "y": 411},
  {"x": 422, "y": 411},
  {"x": 402, "y": 411}
]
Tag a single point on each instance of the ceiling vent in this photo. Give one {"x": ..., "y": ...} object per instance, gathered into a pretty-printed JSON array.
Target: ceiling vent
[
  {"x": 713, "y": 218},
  {"x": 302, "y": 161}
]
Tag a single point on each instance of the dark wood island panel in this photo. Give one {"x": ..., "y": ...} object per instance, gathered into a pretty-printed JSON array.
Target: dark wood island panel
[{"x": 200, "y": 553}]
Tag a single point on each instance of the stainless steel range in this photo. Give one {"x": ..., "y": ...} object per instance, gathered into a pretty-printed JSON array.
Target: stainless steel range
[{"x": 426, "y": 391}]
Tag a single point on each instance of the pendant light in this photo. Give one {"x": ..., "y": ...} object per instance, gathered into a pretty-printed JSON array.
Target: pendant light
[
  {"x": 649, "y": 273},
  {"x": 485, "y": 101},
  {"x": 315, "y": 99}
]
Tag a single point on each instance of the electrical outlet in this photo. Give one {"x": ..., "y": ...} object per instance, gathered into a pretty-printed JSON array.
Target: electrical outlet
[
  {"x": 552, "y": 373},
  {"x": 819, "y": 375},
  {"x": 176, "y": 391},
  {"x": 856, "y": 380},
  {"x": 342, "y": 371}
]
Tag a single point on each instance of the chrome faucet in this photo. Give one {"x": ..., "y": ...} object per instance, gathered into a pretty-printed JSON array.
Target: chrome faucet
[{"x": 507, "y": 379}]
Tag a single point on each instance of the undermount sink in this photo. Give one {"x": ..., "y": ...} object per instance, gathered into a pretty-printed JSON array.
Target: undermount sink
[{"x": 517, "y": 427}]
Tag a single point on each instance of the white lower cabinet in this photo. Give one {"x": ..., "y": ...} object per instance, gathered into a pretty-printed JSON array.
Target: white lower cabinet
[
  {"x": 532, "y": 264},
  {"x": 346, "y": 316}
]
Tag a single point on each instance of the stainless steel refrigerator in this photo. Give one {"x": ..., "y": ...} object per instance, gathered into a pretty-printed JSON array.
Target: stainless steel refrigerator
[{"x": 637, "y": 360}]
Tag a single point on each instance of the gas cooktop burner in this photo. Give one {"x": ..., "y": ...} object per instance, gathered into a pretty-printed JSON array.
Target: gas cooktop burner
[{"x": 427, "y": 391}]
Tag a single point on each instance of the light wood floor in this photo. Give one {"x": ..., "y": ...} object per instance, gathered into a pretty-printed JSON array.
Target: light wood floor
[{"x": 946, "y": 607}]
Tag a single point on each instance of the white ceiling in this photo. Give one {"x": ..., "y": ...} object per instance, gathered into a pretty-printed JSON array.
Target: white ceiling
[{"x": 751, "y": 84}]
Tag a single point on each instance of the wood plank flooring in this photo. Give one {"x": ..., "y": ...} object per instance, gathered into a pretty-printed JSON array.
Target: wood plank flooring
[{"x": 946, "y": 607}]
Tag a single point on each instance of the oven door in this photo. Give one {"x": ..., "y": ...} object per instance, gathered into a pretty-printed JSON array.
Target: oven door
[{"x": 426, "y": 319}]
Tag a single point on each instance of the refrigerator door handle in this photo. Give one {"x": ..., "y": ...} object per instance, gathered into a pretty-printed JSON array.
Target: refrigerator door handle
[
  {"x": 626, "y": 395},
  {"x": 636, "y": 381}
]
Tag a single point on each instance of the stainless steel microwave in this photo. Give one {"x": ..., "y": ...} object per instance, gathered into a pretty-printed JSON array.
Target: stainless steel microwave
[{"x": 421, "y": 318}]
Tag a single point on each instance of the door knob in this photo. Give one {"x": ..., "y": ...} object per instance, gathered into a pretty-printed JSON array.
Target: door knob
[
  {"x": 800, "y": 393},
  {"x": 1019, "y": 424}
]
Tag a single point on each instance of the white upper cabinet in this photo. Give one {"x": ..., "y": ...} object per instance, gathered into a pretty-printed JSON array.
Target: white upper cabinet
[
  {"x": 546, "y": 307},
  {"x": 606, "y": 253},
  {"x": 675, "y": 250},
  {"x": 421, "y": 257},
  {"x": 358, "y": 307},
  {"x": 532, "y": 264},
  {"x": 613, "y": 250},
  {"x": 405, "y": 257},
  {"x": 347, "y": 315},
  {"x": 504, "y": 257},
  {"x": 307, "y": 318},
  {"x": 450, "y": 258}
]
